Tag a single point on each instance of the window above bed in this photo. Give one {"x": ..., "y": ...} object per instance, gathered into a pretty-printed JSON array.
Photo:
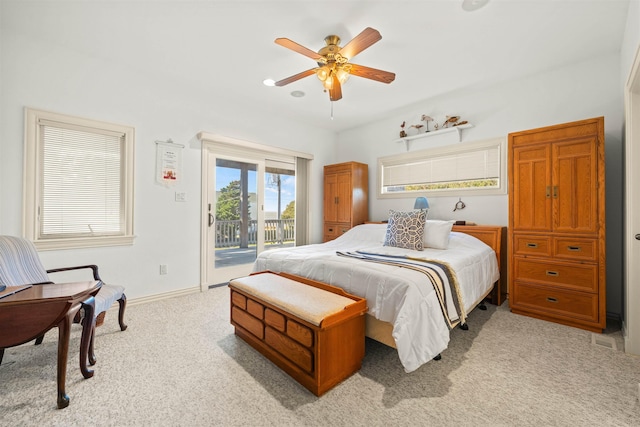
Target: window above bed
[{"x": 475, "y": 168}]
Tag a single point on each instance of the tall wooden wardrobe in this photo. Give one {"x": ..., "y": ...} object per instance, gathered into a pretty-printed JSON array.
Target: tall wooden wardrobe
[
  {"x": 346, "y": 197},
  {"x": 557, "y": 224}
]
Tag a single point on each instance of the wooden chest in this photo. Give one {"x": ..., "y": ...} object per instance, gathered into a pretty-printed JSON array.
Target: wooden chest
[{"x": 311, "y": 330}]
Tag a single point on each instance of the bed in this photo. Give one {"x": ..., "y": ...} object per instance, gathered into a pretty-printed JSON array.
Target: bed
[{"x": 403, "y": 308}]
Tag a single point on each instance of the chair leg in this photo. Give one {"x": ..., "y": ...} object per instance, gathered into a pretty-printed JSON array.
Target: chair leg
[
  {"x": 39, "y": 340},
  {"x": 123, "y": 304},
  {"x": 92, "y": 355},
  {"x": 1, "y": 354},
  {"x": 88, "y": 326}
]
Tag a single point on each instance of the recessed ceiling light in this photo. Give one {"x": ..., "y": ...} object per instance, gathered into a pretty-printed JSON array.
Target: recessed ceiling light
[
  {"x": 269, "y": 82},
  {"x": 297, "y": 94},
  {"x": 471, "y": 5}
]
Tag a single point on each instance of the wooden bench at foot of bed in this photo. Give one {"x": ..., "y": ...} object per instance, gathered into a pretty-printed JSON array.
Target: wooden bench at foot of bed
[{"x": 311, "y": 330}]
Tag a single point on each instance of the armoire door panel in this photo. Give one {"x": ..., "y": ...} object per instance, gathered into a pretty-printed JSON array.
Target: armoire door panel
[
  {"x": 575, "y": 186},
  {"x": 343, "y": 208},
  {"x": 330, "y": 197},
  {"x": 532, "y": 192}
]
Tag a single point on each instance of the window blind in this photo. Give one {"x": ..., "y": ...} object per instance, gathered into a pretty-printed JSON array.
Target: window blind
[
  {"x": 477, "y": 164},
  {"x": 82, "y": 192}
]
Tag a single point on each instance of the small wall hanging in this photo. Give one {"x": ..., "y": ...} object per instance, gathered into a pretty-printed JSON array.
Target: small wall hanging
[{"x": 168, "y": 162}]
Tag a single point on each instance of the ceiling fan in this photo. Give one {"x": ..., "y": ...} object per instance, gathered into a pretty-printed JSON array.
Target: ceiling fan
[{"x": 334, "y": 67}]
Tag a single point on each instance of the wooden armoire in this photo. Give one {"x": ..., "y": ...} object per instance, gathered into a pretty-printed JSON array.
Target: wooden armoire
[
  {"x": 557, "y": 257},
  {"x": 346, "y": 197}
]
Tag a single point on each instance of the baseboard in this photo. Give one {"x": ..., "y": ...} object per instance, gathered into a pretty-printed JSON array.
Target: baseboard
[{"x": 159, "y": 297}]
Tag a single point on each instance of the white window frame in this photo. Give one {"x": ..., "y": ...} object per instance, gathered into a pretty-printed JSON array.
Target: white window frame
[
  {"x": 33, "y": 181},
  {"x": 457, "y": 149}
]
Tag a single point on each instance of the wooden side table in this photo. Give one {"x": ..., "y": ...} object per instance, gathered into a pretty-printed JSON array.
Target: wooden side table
[{"x": 32, "y": 312}]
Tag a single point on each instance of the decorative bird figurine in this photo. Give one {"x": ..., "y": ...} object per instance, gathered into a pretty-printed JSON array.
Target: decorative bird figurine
[
  {"x": 426, "y": 119},
  {"x": 451, "y": 120}
]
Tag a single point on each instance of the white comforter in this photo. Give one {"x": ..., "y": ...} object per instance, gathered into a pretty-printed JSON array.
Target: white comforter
[{"x": 396, "y": 295}]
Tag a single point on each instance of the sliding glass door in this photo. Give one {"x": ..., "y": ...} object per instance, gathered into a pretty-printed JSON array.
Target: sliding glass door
[
  {"x": 280, "y": 205},
  {"x": 254, "y": 198},
  {"x": 235, "y": 216}
]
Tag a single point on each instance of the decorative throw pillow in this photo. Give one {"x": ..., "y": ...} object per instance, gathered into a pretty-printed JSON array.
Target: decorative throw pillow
[
  {"x": 436, "y": 234},
  {"x": 405, "y": 229}
]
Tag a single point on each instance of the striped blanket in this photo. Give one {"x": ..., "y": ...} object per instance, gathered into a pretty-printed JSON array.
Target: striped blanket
[{"x": 439, "y": 274}]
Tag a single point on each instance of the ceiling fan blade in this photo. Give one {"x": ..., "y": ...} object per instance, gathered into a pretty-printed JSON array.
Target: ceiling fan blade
[
  {"x": 290, "y": 44},
  {"x": 360, "y": 42},
  {"x": 295, "y": 77},
  {"x": 372, "y": 73},
  {"x": 335, "y": 93}
]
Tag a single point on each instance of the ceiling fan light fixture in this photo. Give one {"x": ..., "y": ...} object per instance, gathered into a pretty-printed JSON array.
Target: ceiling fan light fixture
[
  {"x": 328, "y": 83},
  {"x": 343, "y": 75},
  {"x": 323, "y": 73},
  {"x": 333, "y": 67}
]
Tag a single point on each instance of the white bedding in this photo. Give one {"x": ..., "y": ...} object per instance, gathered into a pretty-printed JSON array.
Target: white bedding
[{"x": 396, "y": 295}]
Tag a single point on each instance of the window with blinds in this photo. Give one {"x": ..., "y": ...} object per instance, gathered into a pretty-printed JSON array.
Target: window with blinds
[
  {"x": 476, "y": 167},
  {"x": 82, "y": 176}
]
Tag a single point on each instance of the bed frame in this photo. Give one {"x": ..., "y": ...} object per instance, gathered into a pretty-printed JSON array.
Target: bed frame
[{"x": 493, "y": 235}]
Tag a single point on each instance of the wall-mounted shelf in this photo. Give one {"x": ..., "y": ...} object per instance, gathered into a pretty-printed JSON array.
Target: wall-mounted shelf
[{"x": 458, "y": 129}]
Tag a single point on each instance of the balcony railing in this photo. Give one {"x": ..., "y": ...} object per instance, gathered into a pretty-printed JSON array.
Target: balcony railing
[{"x": 276, "y": 231}]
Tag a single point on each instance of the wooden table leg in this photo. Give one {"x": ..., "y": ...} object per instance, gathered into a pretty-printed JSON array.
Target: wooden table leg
[
  {"x": 64, "y": 330},
  {"x": 88, "y": 323}
]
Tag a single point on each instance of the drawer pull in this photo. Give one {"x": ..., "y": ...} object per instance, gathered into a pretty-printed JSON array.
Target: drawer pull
[
  {"x": 552, "y": 299},
  {"x": 552, "y": 273},
  {"x": 532, "y": 245},
  {"x": 574, "y": 248}
]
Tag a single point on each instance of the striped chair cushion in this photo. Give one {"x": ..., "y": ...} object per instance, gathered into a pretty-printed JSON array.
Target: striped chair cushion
[{"x": 19, "y": 262}]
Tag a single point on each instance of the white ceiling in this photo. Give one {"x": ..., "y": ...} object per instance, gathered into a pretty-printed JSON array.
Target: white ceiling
[{"x": 226, "y": 49}]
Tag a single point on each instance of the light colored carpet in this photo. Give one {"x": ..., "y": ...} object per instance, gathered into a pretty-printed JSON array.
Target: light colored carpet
[{"x": 180, "y": 364}]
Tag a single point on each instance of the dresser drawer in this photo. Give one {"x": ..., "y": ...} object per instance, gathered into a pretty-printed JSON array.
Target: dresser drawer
[
  {"x": 578, "y": 249},
  {"x": 289, "y": 349},
  {"x": 334, "y": 229},
  {"x": 553, "y": 301},
  {"x": 532, "y": 245},
  {"x": 571, "y": 276}
]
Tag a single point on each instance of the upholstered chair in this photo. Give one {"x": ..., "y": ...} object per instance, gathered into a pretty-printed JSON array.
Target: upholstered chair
[{"x": 21, "y": 265}]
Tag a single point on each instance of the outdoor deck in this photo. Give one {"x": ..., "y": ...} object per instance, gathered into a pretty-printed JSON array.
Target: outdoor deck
[{"x": 227, "y": 257}]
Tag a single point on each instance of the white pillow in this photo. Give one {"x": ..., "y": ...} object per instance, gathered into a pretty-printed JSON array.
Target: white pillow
[{"x": 436, "y": 234}]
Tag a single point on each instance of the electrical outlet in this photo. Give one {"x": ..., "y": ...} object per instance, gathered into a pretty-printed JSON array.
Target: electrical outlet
[
  {"x": 181, "y": 197},
  {"x": 163, "y": 269}
]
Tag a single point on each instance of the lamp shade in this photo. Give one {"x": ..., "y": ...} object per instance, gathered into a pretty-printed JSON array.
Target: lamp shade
[{"x": 421, "y": 203}]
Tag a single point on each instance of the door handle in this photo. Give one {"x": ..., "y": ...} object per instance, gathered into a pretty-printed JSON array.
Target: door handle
[
  {"x": 555, "y": 191},
  {"x": 210, "y": 220},
  {"x": 548, "y": 192},
  {"x": 637, "y": 236}
]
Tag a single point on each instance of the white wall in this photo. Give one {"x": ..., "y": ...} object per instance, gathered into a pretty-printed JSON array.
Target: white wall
[
  {"x": 41, "y": 74},
  {"x": 580, "y": 91}
]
